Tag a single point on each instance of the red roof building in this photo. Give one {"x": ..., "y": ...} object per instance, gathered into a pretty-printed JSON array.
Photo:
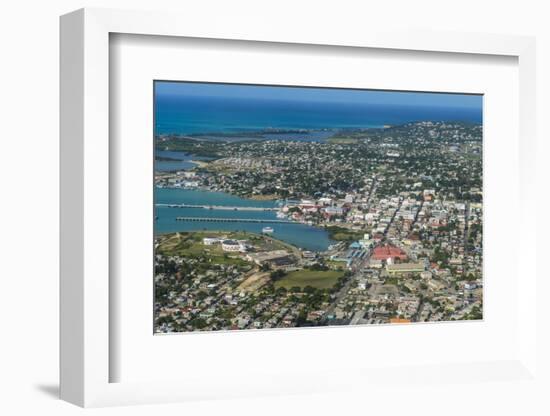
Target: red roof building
[
  {"x": 387, "y": 252},
  {"x": 399, "y": 321}
]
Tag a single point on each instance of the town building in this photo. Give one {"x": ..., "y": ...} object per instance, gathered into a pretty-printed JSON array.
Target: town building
[
  {"x": 208, "y": 241},
  {"x": 231, "y": 245},
  {"x": 388, "y": 252},
  {"x": 399, "y": 268}
]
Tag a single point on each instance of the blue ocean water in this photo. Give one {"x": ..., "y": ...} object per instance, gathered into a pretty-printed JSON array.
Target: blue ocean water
[{"x": 188, "y": 115}]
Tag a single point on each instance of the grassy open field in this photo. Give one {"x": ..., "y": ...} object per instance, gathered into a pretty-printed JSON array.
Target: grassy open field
[
  {"x": 316, "y": 279},
  {"x": 335, "y": 265},
  {"x": 342, "y": 140},
  {"x": 254, "y": 282},
  {"x": 190, "y": 245},
  {"x": 343, "y": 234}
]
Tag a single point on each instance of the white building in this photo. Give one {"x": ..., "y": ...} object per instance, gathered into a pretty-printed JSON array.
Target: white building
[
  {"x": 231, "y": 245},
  {"x": 334, "y": 210},
  {"x": 426, "y": 275},
  {"x": 208, "y": 241}
]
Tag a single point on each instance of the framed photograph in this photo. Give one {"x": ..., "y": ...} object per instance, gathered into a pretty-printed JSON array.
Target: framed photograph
[
  {"x": 302, "y": 207},
  {"x": 274, "y": 212}
]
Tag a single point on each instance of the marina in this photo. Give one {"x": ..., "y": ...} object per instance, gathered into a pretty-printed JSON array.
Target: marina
[{"x": 190, "y": 210}]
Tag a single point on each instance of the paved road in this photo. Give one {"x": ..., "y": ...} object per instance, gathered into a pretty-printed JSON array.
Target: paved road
[
  {"x": 466, "y": 227},
  {"x": 372, "y": 191},
  {"x": 417, "y": 213},
  {"x": 393, "y": 218},
  {"x": 343, "y": 291}
]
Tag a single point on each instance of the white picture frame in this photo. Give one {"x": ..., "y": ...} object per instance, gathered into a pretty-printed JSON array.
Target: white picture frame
[{"x": 85, "y": 211}]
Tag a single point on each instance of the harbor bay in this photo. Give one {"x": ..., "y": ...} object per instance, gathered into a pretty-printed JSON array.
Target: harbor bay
[{"x": 303, "y": 236}]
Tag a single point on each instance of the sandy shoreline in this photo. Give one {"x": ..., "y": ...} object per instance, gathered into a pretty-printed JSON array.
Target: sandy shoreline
[
  {"x": 199, "y": 163},
  {"x": 263, "y": 197}
]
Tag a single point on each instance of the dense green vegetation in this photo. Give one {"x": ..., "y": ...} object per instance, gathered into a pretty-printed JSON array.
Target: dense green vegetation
[
  {"x": 343, "y": 234},
  {"x": 313, "y": 278},
  {"x": 186, "y": 145}
]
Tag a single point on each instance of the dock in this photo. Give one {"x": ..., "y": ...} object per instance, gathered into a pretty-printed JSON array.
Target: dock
[
  {"x": 253, "y": 220},
  {"x": 218, "y": 207}
]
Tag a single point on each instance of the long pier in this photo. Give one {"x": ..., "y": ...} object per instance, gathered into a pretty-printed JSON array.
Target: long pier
[
  {"x": 218, "y": 207},
  {"x": 207, "y": 219}
]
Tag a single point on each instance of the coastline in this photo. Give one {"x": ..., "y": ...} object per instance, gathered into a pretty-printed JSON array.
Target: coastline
[
  {"x": 290, "y": 246},
  {"x": 199, "y": 163},
  {"x": 269, "y": 197},
  {"x": 322, "y": 226}
]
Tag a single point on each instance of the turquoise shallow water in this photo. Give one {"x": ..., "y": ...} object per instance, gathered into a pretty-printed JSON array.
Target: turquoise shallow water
[
  {"x": 300, "y": 235},
  {"x": 179, "y": 161}
]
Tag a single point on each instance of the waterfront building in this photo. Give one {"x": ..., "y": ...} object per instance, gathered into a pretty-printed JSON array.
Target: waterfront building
[
  {"x": 208, "y": 241},
  {"x": 231, "y": 245},
  {"x": 333, "y": 210}
]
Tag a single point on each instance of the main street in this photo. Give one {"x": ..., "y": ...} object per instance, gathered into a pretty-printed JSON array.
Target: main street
[
  {"x": 339, "y": 296},
  {"x": 466, "y": 227}
]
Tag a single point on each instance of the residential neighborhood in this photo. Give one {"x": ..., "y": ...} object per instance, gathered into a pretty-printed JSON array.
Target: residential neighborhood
[{"x": 401, "y": 207}]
